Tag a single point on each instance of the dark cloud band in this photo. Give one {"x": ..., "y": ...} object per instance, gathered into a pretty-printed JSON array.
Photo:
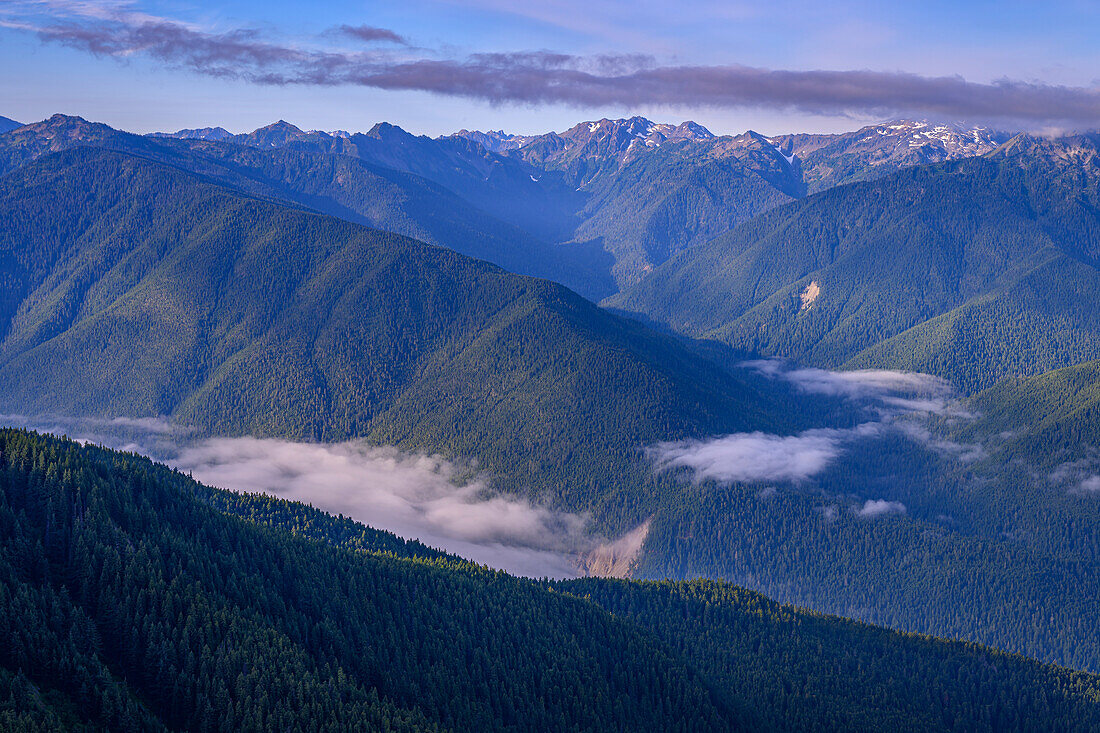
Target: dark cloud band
[
  {"x": 370, "y": 34},
  {"x": 551, "y": 78}
]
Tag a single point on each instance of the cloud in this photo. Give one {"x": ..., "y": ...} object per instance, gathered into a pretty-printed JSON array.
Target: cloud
[
  {"x": 414, "y": 496},
  {"x": 897, "y": 399},
  {"x": 370, "y": 34},
  {"x": 544, "y": 77},
  {"x": 879, "y": 507},
  {"x": 891, "y": 392},
  {"x": 1080, "y": 476},
  {"x": 758, "y": 456},
  {"x": 56, "y": 424},
  {"x": 1089, "y": 485},
  {"x": 912, "y": 390},
  {"x": 145, "y": 435},
  {"x": 964, "y": 452}
]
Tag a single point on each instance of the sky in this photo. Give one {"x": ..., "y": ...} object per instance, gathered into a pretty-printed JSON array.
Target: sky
[{"x": 435, "y": 66}]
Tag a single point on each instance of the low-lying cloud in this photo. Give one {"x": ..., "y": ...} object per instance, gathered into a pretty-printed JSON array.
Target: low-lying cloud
[
  {"x": 1089, "y": 484},
  {"x": 411, "y": 495},
  {"x": 906, "y": 391},
  {"x": 1079, "y": 477},
  {"x": 880, "y": 507},
  {"x": 539, "y": 77},
  {"x": 758, "y": 456},
  {"x": 152, "y": 436},
  {"x": 414, "y": 496},
  {"x": 895, "y": 400},
  {"x": 963, "y": 452}
]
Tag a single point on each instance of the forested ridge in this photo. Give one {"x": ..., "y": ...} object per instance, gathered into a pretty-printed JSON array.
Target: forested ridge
[
  {"x": 158, "y": 293},
  {"x": 136, "y": 599},
  {"x": 154, "y": 292},
  {"x": 333, "y": 181},
  {"x": 197, "y": 282},
  {"x": 972, "y": 270},
  {"x": 1049, "y": 418}
]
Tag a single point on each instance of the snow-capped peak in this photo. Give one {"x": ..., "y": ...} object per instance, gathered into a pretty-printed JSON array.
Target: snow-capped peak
[
  {"x": 498, "y": 141},
  {"x": 627, "y": 129},
  {"x": 956, "y": 140}
]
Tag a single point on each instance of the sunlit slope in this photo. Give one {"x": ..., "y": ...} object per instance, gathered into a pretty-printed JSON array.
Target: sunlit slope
[
  {"x": 133, "y": 288},
  {"x": 972, "y": 270}
]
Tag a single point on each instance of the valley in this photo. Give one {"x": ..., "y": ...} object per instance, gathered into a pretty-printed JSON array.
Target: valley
[{"x": 854, "y": 374}]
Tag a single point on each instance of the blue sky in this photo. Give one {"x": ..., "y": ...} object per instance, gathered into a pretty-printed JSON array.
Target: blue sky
[{"x": 1043, "y": 49}]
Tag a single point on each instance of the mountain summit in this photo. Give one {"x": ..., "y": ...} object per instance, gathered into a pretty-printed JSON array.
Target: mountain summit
[
  {"x": 200, "y": 133},
  {"x": 878, "y": 150},
  {"x": 593, "y": 137},
  {"x": 625, "y": 131}
]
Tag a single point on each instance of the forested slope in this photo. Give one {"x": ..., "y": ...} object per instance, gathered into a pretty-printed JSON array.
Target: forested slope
[
  {"x": 136, "y": 599},
  {"x": 336, "y": 181},
  {"x": 972, "y": 270},
  {"x": 137, "y": 607},
  {"x": 136, "y": 289},
  {"x": 807, "y": 671},
  {"x": 1048, "y": 419}
]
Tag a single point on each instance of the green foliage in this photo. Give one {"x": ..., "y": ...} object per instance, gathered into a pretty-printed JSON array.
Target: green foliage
[
  {"x": 806, "y": 671},
  {"x": 112, "y": 563},
  {"x": 151, "y": 292},
  {"x": 973, "y": 271},
  {"x": 130, "y": 601}
]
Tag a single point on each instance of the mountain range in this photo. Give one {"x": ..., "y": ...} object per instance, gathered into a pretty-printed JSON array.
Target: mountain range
[
  {"x": 972, "y": 270},
  {"x": 346, "y": 186},
  {"x": 201, "y": 133},
  {"x": 152, "y": 291},
  {"x": 856, "y": 373},
  {"x": 628, "y": 194}
]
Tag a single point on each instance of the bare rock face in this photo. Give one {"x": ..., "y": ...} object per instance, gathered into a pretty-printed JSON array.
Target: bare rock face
[
  {"x": 615, "y": 559},
  {"x": 810, "y": 294}
]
